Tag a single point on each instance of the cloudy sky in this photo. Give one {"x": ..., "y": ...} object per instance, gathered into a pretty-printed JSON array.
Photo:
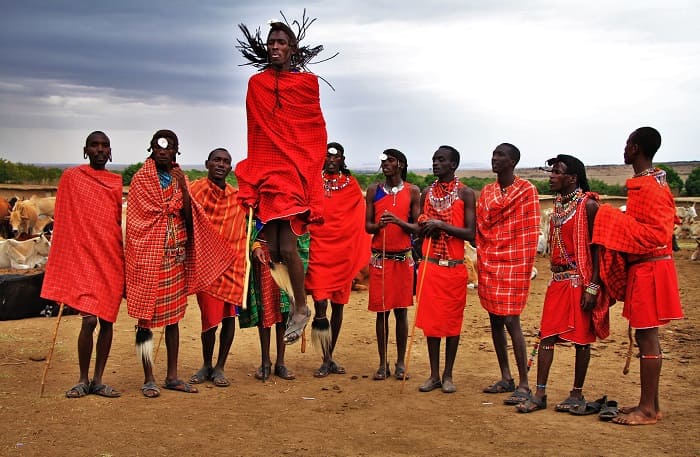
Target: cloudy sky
[{"x": 551, "y": 76}]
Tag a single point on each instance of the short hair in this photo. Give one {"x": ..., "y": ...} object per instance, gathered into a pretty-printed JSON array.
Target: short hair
[
  {"x": 454, "y": 153},
  {"x": 648, "y": 139},
  {"x": 164, "y": 133},
  {"x": 398, "y": 155},
  {"x": 282, "y": 27},
  {"x": 339, "y": 147},
  {"x": 513, "y": 152},
  {"x": 218, "y": 149},
  {"x": 96, "y": 132},
  {"x": 573, "y": 167}
]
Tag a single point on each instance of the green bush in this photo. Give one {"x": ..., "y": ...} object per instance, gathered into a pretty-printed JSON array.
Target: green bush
[
  {"x": 19, "y": 173},
  {"x": 128, "y": 173},
  {"x": 692, "y": 184}
]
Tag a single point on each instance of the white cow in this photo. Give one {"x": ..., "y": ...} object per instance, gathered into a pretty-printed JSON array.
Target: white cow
[
  {"x": 543, "y": 241},
  {"x": 4, "y": 256},
  {"x": 31, "y": 253}
]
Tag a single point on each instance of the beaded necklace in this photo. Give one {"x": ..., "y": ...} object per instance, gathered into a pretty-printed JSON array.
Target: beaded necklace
[
  {"x": 646, "y": 172},
  {"x": 449, "y": 192},
  {"x": 393, "y": 191},
  {"x": 563, "y": 211},
  {"x": 338, "y": 182}
]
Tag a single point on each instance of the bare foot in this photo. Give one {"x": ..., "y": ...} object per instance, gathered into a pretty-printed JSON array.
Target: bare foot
[
  {"x": 630, "y": 409},
  {"x": 636, "y": 417}
]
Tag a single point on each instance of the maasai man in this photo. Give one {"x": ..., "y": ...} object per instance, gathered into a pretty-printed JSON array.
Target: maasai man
[
  {"x": 575, "y": 288},
  {"x": 340, "y": 236},
  {"x": 508, "y": 226},
  {"x": 448, "y": 219},
  {"x": 268, "y": 305},
  {"x": 281, "y": 177},
  {"x": 218, "y": 302},
  {"x": 171, "y": 251},
  {"x": 644, "y": 234},
  {"x": 392, "y": 214},
  {"x": 88, "y": 279}
]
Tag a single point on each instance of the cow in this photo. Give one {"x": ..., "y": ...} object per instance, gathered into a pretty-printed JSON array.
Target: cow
[
  {"x": 470, "y": 262},
  {"x": 543, "y": 241},
  {"x": 31, "y": 253},
  {"x": 44, "y": 205},
  {"x": 23, "y": 217},
  {"x": 4, "y": 256}
]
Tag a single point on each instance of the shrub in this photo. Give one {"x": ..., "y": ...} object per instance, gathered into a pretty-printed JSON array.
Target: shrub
[{"x": 692, "y": 184}]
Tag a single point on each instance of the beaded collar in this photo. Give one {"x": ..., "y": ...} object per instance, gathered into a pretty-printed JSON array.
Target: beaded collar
[
  {"x": 393, "y": 191},
  {"x": 646, "y": 172},
  {"x": 334, "y": 182},
  {"x": 565, "y": 206},
  {"x": 443, "y": 195}
]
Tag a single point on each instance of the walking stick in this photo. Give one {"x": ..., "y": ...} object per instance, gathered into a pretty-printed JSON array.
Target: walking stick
[
  {"x": 419, "y": 291},
  {"x": 53, "y": 344},
  {"x": 160, "y": 340},
  {"x": 248, "y": 261},
  {"x": 385, "y": 318},
  {"x": 533, "y": 354},
  {"x": 629, "y": 351}
]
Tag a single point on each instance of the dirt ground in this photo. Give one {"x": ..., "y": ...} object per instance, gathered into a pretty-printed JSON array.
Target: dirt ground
[{"x": 342, "y": 415}]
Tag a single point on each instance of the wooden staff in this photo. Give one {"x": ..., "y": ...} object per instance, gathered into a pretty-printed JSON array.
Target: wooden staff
[
  {"x": 629, "y": 351},
  {"x": 385, "y": 317},
  {"x": 533, "y": 354},
  {"x": 415, "y": 318},
  {"x": 248, "y": 262},
  {"x": 53, "y": 344},
  {"x": 160, "y": 340}
]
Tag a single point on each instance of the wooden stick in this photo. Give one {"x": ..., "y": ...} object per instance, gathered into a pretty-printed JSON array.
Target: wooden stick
[
  {"x": 248, "y": 260},
  {"x": 160, "y": 340},
  {"x": 629, "y": 351},
  {"x": 419, "y": 293},
  {"x": 385, "y": 317},
  {"x": 53, "y": 345}
]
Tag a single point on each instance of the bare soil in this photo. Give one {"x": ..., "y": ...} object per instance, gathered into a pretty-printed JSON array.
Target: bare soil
[{"x": 347, "y": 414}]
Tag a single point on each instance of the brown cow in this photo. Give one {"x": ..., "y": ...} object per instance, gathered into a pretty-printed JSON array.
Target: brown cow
[
  {"x": 23, "y": 217},
  {"x": 5, "y": 230}
]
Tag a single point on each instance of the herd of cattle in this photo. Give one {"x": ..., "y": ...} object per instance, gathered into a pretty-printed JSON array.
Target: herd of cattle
[{"x": 25, "y": 234}]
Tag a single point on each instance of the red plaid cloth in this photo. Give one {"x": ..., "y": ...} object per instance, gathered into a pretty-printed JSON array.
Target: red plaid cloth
[
  {"x": 226, "y": 215},
  {"x": 564, "y": 298},
  {"x": 206, "y": 255},
  {"x": 86, "y": 263},
  {"x": 341, "y": 236},
  {"x": 286, "y": 149},
  {"x": 508, "y": 226}
]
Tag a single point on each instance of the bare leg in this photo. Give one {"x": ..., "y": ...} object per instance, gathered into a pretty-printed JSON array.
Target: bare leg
[
  {"x": 545, "y": 357},
  {"x": 85, "y": 346},
  {"x": 649, "y": 371},
  {"x": 228, "y": 331},
  {"x": 172, "y": 344},
  {"x": 208, "y": 341},
  {"x": 520, "y": 349},
  {"x": 104, "y": 345},
  {"x": 336, "y": 323},
  {"x": 583, "y": 358},
  {"x": 401, "y": 316},
  {"x": 279, "y": 341},
  {"x": 500, "y": 345},
  {"x": 451, "y": 345},
  {"x": 434, "y": 357},
  {"x": 382, "y": 331},
  {"x": 290, "y": 256}
]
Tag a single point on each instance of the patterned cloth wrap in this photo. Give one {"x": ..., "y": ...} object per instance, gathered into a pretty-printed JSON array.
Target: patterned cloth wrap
[
  {"x": 281, "y": 177},
  {"x": 508, "y": 226},
  {"x": 207, "y": 254},
  {"x": 86, "y": 263}
]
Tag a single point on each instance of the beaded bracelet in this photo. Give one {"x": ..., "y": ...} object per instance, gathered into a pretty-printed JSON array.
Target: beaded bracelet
[{"x": 592, "y": 288}]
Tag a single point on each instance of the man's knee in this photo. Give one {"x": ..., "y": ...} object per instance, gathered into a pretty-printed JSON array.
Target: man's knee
[
  {"x": 288, "y": 254},
  {"x": 89, "y": 322}
]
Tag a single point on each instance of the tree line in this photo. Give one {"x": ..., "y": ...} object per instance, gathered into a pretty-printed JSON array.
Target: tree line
[{"x": 18, "y": 173}]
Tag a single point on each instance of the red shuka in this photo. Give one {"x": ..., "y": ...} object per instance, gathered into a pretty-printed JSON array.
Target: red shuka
[
  {"x": 340, "y": 246},
  {"x": 286, "y": 149},
  {"x": 86, "y": 262}
]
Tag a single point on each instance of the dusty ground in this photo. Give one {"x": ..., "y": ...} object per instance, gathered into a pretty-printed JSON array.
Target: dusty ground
[{"x": 343, "y": 414}]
